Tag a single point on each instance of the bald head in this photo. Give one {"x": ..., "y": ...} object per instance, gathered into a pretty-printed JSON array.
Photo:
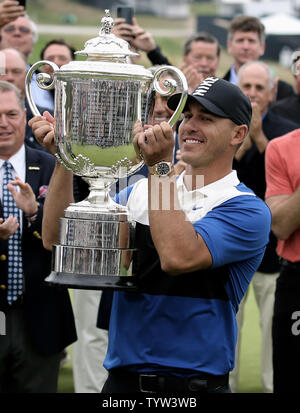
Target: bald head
[
  {"x": 259, "y": 66},
  {"x": 14, "y": 68},
  {"x": 256, "y": 80}
]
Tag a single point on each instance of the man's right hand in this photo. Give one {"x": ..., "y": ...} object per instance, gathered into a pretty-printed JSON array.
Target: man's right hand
[
  {"x": 8, "y": 227},
  {"x": 10, "y": 10},
  {"x": 43, "y": 129},
  {"x": 123, "y": 30},
  {"x": 134, "y": 34}
]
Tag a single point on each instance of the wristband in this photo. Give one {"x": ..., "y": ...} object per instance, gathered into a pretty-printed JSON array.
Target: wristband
[{"x": 32, "y": 218}]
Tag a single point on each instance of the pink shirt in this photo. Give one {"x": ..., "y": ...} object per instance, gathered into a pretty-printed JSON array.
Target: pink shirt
[{"x": 283, "y": 178}]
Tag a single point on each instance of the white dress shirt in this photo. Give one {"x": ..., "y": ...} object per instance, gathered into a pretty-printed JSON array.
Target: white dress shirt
[{"x": 19, "y": 166}]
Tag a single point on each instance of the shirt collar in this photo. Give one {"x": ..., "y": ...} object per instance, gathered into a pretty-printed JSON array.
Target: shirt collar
[
  {"x": 233, "y": 75},
  {"x": 17, "y": 161},
  {"x": 222, "y": 184}
]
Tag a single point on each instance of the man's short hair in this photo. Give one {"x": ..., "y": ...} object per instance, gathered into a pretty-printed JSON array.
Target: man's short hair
[
  {"x": 10, "y": 87},
  {"x": 200, "y": 37},
  {"x": 247, "y": 24},
  {"x": 34, "y": 29},
  {"x": 61, "y": 42}
]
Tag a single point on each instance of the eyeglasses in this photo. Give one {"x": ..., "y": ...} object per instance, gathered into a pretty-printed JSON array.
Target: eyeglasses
[{"x": 22, "y": 29}]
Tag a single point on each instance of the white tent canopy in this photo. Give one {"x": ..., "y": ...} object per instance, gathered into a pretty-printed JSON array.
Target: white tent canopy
[
  {"x": 257, "y": 8},
  {"x": 281, "y": 24}
]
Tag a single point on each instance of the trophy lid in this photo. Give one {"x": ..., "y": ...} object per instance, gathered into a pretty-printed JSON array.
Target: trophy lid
[{"x": 107, "y": 46}]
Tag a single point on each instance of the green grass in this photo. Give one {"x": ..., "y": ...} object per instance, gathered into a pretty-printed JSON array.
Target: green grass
[
  {"x": 65, "y": 380},
  {"x": 249, "y": 381},
  {"x": 204, "y": 8},
  {"x": 55, "y": 12}
]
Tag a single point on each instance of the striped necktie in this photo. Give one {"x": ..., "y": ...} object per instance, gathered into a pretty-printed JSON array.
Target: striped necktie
[{"x": 15, "y": 269}]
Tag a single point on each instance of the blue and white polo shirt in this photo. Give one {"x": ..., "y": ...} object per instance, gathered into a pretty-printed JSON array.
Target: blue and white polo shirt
[{"x": 185, "y": 324}]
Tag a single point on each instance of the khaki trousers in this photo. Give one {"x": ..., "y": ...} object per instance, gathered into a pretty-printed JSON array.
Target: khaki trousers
[
  {"x": 264, "y": 291},
  {"x": 90, "y": 349}
]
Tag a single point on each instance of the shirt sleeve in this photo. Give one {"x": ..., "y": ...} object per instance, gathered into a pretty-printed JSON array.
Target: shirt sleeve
[
  {"x": 236, "y": 230},
  {"x": 157, "y": 58},
  {"x": 122, "y": 196},
  {"x": 277, "y": 180}
]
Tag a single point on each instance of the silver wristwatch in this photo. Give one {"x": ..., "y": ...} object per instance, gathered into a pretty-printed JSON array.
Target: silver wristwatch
[{"x": 161, "y": 169}]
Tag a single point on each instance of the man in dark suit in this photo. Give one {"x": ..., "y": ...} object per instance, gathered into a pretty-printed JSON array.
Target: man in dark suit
[
  {"x": 246, "y": 42},
  {"x": 256, "y": 80},
  {"x": 39, "y": 319}
]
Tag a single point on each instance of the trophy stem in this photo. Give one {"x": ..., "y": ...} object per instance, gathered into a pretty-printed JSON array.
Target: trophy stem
[{"x": 99, "y": 199}]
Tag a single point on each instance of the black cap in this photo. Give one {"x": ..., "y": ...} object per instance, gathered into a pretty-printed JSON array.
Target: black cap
[{"x": 220, "y": 98}]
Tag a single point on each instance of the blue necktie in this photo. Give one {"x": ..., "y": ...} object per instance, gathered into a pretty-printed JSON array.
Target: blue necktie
[{"x": 15, "y": 270}]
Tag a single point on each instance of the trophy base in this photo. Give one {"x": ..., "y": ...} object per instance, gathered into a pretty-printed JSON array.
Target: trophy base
[
  {"x": 95, "y": 249},
  {"x": 86, "y": 282}
]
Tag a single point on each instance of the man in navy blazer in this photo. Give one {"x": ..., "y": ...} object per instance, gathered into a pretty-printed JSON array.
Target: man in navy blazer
[
  {"x": 40, "y": 322},
  {"x": 246, "y": 43}
]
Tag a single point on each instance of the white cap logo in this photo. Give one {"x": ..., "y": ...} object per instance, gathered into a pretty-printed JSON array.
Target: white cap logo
[{"x": 205, "y": 86}]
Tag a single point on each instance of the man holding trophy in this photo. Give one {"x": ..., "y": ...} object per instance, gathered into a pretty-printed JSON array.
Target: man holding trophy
[
  {"x": 179, "y": 252},
  {"x": 195, "y": 259}
]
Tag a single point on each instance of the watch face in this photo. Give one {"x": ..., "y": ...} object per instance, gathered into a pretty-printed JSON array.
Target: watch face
[{"x": 163, "y": 168}]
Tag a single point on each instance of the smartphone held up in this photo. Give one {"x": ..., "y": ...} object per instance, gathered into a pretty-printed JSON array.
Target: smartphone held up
[{"x": 125, "y": 12}]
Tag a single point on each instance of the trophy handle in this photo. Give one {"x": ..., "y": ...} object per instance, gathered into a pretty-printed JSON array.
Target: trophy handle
[
  {"x": 171, "y": 86},
  {"x": 43, "y": 80}
]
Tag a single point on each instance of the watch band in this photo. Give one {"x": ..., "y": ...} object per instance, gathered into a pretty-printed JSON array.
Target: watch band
[{"x": 161, "y": 169}]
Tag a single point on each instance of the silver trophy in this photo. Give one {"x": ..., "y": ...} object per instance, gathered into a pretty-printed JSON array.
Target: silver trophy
[{"x": 97, "y": 102}]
